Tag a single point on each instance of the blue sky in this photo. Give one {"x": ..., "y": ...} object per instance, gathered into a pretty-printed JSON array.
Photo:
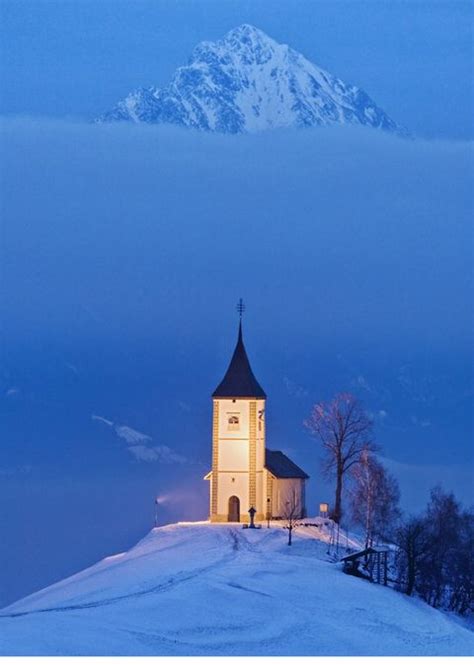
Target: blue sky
[
  {"x": 124, "y": 250},
  {"x": 77, "y": 58}
]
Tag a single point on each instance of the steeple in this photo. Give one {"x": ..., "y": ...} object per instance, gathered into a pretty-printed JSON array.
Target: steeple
[
  {"x": 245, "y": 475},
  {"x": 239, "y": 380}
]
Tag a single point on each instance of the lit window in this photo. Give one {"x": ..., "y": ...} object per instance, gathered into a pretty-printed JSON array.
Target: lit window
[{"x": 233, "y": 422}]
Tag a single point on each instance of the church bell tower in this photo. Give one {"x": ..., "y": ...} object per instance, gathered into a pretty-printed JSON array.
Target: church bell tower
[{"x": 238, "y": 441}]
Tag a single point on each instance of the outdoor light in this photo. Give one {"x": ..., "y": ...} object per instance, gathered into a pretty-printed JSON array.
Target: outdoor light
[{"x": 323, "y": 509}]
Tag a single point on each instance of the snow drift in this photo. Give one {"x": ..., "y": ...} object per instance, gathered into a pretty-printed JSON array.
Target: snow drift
[{"x": 202, "y": 589}]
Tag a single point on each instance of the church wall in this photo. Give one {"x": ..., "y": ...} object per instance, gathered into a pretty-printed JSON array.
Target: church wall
[
  {"x": 240, "y": 455},
  {"x": 228, "y": 487},
  {"x": 261, "y": 500},
  {"x": 231, "y": 407},
  {"x": 268, "y": 481},
  {"x": 260, "y": 434},
  {"x": 234, "y": 456},
  {"x": 288, "y": 490}
]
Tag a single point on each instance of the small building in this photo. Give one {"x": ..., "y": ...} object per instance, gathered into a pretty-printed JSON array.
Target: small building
[
  {"x": 286, "y": 485},
  {"x": 370, "y": 563},
  {"x": 244, "y": 472}
]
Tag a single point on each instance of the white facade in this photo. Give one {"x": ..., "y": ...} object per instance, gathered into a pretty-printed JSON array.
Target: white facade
[
  {"x": 238, "y": 457},
  {"x": 288, "y": 496}
]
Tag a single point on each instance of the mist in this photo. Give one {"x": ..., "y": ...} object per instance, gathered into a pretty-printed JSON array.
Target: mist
[{"x": 123, "y": 252}]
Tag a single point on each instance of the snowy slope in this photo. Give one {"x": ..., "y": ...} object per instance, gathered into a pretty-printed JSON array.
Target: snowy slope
[
  {"x": 201, "y": 589},
  {"x": 248, "y": 82}
]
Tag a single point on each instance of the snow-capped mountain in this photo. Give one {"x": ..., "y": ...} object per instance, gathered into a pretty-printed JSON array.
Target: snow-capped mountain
[
  {"x": 248, "y": 82},
  {"x": 215, "y": 589}
]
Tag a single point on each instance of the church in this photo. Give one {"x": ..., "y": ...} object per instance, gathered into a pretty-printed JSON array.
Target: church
[{"x": 244, "y": 472}]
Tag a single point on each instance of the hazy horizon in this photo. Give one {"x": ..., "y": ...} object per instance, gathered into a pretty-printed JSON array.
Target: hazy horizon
[{"x": 125, "y": 248}]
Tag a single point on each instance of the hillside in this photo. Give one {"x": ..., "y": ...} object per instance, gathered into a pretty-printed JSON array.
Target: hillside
[
  {"x": 201, "y": 589},
  {"x": 248, "y": 82}
]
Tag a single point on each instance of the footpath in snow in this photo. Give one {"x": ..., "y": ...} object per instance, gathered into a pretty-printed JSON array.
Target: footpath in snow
[{"x": 202, "y": 589}]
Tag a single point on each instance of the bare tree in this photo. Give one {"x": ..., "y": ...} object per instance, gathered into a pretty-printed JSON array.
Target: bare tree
[
  {"x": 374, "y": 498},
  {"x": 443, "y": 520},
  {"x": 411, "y": 538},
  {"x": 462, "y": 567},
  {"x": 291, "y": 514},
  {"x": 345, "y": 431},
  {"x": 435, "y": 554}
]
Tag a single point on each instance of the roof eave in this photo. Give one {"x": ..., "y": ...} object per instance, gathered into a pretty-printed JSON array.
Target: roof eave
[
  {"x": 278, "y": 476},
  {"x": 262, "y": 396}
]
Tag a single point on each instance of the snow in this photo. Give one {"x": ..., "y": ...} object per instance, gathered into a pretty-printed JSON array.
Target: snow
[
  {"x": 211, "y": 589},
  {"x": 248, "y": 82}
]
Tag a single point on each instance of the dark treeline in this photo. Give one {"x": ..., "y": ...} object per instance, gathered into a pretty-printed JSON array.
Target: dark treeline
[
  {"x": 434, "y": 550},
  {"x": 435, "y": 554}
]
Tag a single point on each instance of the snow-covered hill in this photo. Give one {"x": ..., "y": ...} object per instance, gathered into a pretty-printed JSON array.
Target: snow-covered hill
[
  {"x": 248, "y": 82},
  {"x": 202, "y": 589}
]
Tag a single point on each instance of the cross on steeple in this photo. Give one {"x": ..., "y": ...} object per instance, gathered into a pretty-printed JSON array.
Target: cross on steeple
[
  {"x": 240, "y": 307},
  {"x": 239, "y": 380}
]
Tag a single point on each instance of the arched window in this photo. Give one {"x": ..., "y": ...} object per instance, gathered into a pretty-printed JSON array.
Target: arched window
[{"x": 233, "y": 422}]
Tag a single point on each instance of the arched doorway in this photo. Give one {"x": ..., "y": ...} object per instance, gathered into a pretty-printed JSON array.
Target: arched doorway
[{"x": 234, "y": 510}]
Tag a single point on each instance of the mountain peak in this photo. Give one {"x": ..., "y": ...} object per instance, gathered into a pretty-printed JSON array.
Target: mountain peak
[
  {"x": 248, "y": 35},
  {"x": 246, "y": 31},
  {"x": 247, "y": 82},
  {"x": 247, "y": 43}
]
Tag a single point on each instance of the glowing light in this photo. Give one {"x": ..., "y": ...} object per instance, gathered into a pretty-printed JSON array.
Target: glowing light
[{"x": 162, "y": 499}]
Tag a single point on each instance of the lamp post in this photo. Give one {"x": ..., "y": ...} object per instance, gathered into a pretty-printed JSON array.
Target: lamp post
[
  {"x": 268, "y": 512},
  {"x": 289, "y": 515},
  {"x": 157, "y": 501}
]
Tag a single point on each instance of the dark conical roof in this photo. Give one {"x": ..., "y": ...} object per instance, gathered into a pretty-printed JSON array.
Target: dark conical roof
[{"x": 239, "y": 380}]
